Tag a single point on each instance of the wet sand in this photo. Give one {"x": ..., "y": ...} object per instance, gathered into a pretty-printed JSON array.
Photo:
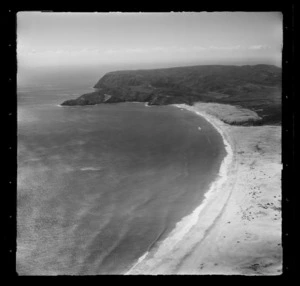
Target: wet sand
[{"x": 237, "y": 229}]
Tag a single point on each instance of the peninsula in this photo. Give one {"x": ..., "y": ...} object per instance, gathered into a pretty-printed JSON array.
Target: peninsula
[{"x": 257, "y": 88}]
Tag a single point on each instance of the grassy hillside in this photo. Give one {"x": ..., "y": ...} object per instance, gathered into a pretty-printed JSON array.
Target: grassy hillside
[{"x": 257, "y": 88}]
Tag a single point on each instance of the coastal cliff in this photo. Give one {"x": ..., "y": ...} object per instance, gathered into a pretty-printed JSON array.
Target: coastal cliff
[{"x": 257, "y": 88}]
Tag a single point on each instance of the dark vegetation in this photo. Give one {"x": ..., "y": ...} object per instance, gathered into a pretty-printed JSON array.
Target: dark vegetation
[{"x": 257, "y": 88}]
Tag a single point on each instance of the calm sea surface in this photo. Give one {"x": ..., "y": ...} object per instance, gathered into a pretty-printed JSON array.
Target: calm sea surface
[{"x": 98, "y": 186}]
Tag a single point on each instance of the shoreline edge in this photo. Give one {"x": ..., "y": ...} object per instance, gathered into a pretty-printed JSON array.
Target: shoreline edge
[{"x": 198, "y": 244}]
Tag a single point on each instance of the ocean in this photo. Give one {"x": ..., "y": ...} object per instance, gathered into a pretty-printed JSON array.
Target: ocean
[{"x": 98, "y": 186}]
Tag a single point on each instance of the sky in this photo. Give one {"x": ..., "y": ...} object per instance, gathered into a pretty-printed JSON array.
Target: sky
[{"x": 46, "y": 39}]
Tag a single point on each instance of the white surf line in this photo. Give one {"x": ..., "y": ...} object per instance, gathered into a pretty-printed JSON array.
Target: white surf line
[
  {"x": 140, "y": 102},
  {"x": 147, "y": 252},
  {"x": 90, "y": 169},
  {"x": 137, "y": 263},
  {"x": 186, "y": 223}
]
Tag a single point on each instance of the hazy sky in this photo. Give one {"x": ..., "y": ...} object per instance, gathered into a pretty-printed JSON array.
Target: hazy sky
[{"x": 60, "y": 39}]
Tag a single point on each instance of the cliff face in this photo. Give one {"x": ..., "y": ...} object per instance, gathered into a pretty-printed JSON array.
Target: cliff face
[{"x": 257, "y": 88}]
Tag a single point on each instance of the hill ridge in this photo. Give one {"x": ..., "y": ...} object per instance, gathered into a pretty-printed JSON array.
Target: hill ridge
[{"x": 256, "y": 87}]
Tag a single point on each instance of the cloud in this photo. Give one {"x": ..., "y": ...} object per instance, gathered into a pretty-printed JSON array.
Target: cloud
[
  {"x": 111, "y": 51},
  {"x": 169, "y": 49},
  {"x": 229, "y": 48},
  {"x": 180, "y": 49},
  {"x": 258, "y": 47},
  {"x": 198, "y": 48},
  {"x": 57, "y": 52},
  {"x": 83, "y": 51},
  {"x": 135, "y": 50},
  {"x": 159, "y": 49},
  {"x": 96, "y": 51}
]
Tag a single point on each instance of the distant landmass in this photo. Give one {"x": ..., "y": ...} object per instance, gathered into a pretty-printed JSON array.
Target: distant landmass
[{"x": 256, "y": 87}]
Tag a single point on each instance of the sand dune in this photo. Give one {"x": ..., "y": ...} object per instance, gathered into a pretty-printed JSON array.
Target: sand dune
[{"x": 238, "y": 229}]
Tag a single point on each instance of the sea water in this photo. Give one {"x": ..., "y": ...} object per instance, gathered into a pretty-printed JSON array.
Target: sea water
[{"x": 99, "y": 186}]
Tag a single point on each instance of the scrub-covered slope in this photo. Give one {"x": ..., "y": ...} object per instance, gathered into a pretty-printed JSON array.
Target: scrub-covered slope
[{"x": 257, "y": 88}]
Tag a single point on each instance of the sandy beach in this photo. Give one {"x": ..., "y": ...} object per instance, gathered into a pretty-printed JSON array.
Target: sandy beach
[{"x": 237, "y": 229}]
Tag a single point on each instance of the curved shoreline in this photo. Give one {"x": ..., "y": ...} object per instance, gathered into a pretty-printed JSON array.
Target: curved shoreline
[
  {"x": 186, "y": 223},
  {"x": 237, "y": 228}
]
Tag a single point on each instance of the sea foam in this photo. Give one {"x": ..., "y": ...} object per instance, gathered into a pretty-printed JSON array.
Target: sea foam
[{"x": 90, "y": 169}]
